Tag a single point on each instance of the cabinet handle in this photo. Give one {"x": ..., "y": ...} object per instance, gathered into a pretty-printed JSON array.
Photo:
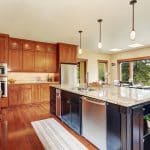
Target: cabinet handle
[{"x": 143, "y": 109}]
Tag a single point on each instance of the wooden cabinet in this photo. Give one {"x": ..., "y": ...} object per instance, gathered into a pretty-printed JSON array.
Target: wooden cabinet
[
  {"x": 3, "y": 48},
  {"x": 40, "y": 62},
  {"x": 44, "y": 92},
  {"x": 40, "y": 56},
  {"x": 67, "y": 53},
  {"x": 28, "y": 56},
  {"x": 15, "y": 55},
  {"x": 51, "y": 58},
  {"x": 35, "y": 93},
  {"x": 28, "y": 93},
  {"x": 14, "y": 95}
]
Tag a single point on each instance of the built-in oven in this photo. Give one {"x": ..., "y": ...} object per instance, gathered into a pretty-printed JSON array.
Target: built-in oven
[
  {"x": 3, "y": 87},
  {"x": 3, "y": 69}
]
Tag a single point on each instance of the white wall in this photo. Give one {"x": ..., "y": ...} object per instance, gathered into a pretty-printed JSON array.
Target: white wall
[{"x": 92, "y": 66}]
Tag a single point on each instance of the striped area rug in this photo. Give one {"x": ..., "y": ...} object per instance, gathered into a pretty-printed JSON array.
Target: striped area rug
[{"x": 55, "y": 137}]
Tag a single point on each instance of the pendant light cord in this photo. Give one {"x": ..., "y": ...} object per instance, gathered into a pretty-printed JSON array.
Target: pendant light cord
[
  {"x": 132, "y": 2},
  {"x": 80, "y": 32},
  {"x": 100, "y": 29}
]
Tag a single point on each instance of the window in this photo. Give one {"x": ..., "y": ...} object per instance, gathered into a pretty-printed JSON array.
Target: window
[
  {"x": 124, "y": 71},
  {"x": 102, "y": 70},
  {"x": 141, "y": 72},
  {"x": 137, "y": 71}
]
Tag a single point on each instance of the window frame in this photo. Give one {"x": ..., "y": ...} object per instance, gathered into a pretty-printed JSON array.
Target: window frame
[{"x": 130, "y": 60}]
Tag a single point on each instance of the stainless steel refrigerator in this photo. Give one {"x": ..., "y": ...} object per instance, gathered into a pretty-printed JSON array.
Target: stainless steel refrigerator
[{"x": 69, "y": 75}]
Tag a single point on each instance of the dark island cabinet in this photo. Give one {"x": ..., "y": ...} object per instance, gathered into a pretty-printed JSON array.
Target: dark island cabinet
[
  {"x": 140, "y": 130},
  {"x": 53, "y": 100},
  {"x": 71, "y": 110},
  {"x": 113, "y": 127}
]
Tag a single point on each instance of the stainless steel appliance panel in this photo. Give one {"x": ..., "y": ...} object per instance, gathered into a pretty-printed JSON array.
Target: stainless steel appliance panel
[
  {"x": 94, "y": 126},
  {"x": 58, "y": 103}
]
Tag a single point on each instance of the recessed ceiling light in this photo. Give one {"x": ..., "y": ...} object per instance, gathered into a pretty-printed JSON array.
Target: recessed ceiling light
[
  {"x": 115, "y": 49},
  {"x": 135, "y": 45}
]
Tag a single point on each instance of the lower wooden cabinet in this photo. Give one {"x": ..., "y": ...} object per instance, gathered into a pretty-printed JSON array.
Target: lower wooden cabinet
[
  {"x": 28, "y": 93},
  {"x": 44, "y": 92}
]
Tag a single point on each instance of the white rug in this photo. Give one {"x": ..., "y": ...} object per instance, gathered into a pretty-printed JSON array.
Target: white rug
[{"x": 55, "y": 137}]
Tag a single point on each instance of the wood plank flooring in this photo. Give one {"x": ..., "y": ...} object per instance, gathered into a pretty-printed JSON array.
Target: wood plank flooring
[{"x": 16, "y": 132}]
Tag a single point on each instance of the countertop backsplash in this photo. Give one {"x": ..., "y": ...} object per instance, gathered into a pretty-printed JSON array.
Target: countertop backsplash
[{"x": 30, "y": 77}]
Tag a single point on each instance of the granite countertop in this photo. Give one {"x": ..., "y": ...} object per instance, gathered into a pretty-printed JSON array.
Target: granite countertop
[{"x": 122, "y": 96}]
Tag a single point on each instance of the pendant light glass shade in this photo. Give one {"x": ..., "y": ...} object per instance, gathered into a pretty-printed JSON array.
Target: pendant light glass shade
[
  {"x": 133, "y": 34},
  {"x": 100, "y": 33},
  {"x": 80, "y": 51},
  {"x": 100, "y": 45},
  {"x": 80, "y": 48}
]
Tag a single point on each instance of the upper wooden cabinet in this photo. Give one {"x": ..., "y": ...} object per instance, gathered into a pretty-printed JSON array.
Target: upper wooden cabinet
[
  {"x": 3, "y": 48},
  {"x": 28, "y": 45},
  {"x": 28, "y": 56},
  {"x": 39, "y": 46},
  {"x": 15, "y": 55},
  {"x": 67, "y": 53},
  {"x": 51, "y": 58}
]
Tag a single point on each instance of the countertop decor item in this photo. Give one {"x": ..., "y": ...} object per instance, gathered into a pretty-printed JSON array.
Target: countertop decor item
[
  {"x": 11, "y": 81},
  {"x": 147, "y": 118}
]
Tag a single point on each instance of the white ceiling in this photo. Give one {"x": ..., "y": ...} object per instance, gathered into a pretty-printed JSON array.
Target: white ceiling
[{"x": 60, "y": 20}]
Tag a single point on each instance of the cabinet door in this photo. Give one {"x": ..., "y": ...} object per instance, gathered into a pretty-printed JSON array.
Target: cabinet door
[
  {"x": 28, "y": 61},
  {"x": 35, "y": 93},
  {"x": 66, "y": 107},
  {"x": 40, "y": 62},
  {"x": 40, "y": 47},
  {"x": 26, "y": 94},
  {"x": 67, "y": 53},
  {"x": 76, "y": 110},
  {"x": 138, "y": 128},
  {"x": 13, "y": 95},
  {"x": 3, "y": 48},
  {"x": 28, "y": 45},
  {"x": 52, "y": 100},
  {"x": 51, "y": 62},
  {"x": 44, "y": 92},
  {"x": 15, "y": 55}
]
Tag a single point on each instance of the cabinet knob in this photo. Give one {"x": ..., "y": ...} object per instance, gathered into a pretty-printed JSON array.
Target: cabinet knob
[{"x": 143, "y": 109}]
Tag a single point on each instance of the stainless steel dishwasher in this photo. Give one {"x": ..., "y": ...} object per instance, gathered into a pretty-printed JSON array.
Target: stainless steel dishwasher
[{"x": 94, "y": 122}]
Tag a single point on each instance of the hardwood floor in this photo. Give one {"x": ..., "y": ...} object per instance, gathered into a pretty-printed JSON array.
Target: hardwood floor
[{"x": 16, "y": 132}]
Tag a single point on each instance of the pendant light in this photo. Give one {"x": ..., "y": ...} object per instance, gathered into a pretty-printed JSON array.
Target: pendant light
[
  {"x": 80, "y": 48},
  {"x": 100, "y": 33},
  {"x": 132, "y": 34}
]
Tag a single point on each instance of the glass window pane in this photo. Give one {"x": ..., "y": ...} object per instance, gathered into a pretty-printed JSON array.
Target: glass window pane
[
  {"x": 141, "y": 72},
  {"x": 101, "y": 71},
  {"x": 124, "y": 72}
]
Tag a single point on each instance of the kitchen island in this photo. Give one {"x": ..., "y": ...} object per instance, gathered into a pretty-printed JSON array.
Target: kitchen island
[{"x": 112, "y": 117}]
